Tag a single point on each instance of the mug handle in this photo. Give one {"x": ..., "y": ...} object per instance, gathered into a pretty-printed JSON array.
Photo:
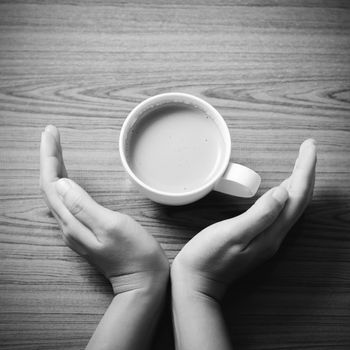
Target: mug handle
[{"x": 239, "y": 181}]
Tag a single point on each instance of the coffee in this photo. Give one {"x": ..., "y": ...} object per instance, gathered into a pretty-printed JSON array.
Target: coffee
[{"x": 175, "y": 148}]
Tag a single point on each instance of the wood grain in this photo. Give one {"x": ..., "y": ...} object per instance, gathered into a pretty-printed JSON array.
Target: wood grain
[{"x": 279, "y": 72}]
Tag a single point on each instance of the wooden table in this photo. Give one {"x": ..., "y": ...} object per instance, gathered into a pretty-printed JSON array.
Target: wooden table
[{"x": 278, "y": 72}]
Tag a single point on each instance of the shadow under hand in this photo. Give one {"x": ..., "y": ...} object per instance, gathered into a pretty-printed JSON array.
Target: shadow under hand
[
  {"x": 300, "y": 298},
  {"x": 193, "y": 218}
]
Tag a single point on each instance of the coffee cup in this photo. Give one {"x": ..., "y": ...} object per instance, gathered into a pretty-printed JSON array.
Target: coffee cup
[{"x": 176, "y": 148}]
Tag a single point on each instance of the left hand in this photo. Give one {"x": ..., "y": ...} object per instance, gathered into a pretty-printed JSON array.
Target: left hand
[
  {"x": 222, "y": 252},
  {"x": 113, "y": 242}
]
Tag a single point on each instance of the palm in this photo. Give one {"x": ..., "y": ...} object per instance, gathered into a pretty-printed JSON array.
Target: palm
[{"x": 223, "y": 251}]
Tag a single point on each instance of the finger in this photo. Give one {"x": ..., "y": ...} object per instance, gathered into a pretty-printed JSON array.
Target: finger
[
  {"x": 49, "y": 161},
  {"x": 243, "y": 228},
  {"x": 304, "y": 169},
  {"x": 55, "y": 133},
  {"x": 75, "y": 234},
  {"x": 49, "y": 169},
  {"x": 300, "y": 186},
  {"x": 82, "y": 206},
  {"x": 301, "y": 183},
  {"x": 49, "y": 172},
  {"x": 286, "y": 183}
]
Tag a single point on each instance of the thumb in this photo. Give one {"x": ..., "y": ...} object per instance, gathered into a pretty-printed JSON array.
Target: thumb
[
  {"x": 261, "y": 215},
  {"x": 80, "y": 204}
]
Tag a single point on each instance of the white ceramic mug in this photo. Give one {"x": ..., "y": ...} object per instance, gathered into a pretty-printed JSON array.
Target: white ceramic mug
[{"x": 230, "y": 178}]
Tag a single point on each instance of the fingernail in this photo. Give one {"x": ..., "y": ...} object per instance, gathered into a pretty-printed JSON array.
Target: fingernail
[
  {"x": 62, "y": 186},
  {"x": 50, "y": 128},
  {"x": 307, "y": 143},
  {"x": 280, "y": 194},
  {"x": 310, "y": 142},
  {"x": 313, "y": 141}
]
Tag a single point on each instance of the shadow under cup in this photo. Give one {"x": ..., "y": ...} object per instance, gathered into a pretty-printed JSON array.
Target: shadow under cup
[{"x": 175, "y": 147}]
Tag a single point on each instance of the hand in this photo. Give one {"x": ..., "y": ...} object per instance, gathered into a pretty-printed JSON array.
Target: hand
[
  {"x": 223, "y": 251},
  {"x": 113, "y": 242}
]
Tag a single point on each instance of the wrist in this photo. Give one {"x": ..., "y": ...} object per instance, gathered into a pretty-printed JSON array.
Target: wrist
[
  {"x": 134, "y": 310},
  {"x": 190, "y": 284},
  {"x": 150, "y": 283},
  {"x": 196, "y": 312}
]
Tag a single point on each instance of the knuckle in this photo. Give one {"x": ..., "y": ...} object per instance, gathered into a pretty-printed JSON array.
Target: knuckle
[
  {"x": 114, "y": 222},
  {"x": 268, "y": 213},
  {"x": 75, "y": 204},
  {"x": 67, "y": 231}
]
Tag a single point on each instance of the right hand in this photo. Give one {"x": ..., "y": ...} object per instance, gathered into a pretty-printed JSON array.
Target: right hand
[
  {"x": 113, "y": 242},
  {"x": 222, "y": 252}
]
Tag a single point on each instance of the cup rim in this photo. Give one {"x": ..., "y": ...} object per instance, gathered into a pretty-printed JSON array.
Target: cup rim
[{"x": 176, "y": 97}]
